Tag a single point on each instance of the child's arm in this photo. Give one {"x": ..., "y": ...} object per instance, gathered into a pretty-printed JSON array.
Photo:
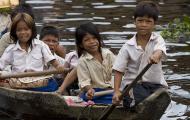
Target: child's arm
[
  {"x": 56, "y": 64},
  {"x": 117, "y": 82},
  {"x": 70, "y": 78},
  {"x": 155, "y": 57},
  {"x": 159, "y": 51}
]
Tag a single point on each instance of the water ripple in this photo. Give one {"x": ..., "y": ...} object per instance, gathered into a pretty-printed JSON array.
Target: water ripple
[
  {"x": 40, "y": 2},
  {"x": 175, "y": 111},
  {"x": 178, "y": 54},
  {"x": 178, "y": 76}
]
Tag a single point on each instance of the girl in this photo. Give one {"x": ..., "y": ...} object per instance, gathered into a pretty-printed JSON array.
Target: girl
[
  {"x": 5, "y": 40},
  {"x": 94, "y": 69},
  {"x": 27, "y": 53}
]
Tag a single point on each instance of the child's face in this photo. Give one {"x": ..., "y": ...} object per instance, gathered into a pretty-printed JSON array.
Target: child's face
[
  {"x": 90, "y": 43},
  {"x": 144, "y": 25},
  {"x": 23, "y": 32},
  {"x": 51, "y": 41}
]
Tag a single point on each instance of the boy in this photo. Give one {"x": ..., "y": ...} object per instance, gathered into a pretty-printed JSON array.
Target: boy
[
  {"x": 50, "y": 36},
  {"x": 145, "y": 47}
]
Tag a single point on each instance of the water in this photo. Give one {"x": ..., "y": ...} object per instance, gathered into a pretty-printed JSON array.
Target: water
[{"x": 114, "y": 19}]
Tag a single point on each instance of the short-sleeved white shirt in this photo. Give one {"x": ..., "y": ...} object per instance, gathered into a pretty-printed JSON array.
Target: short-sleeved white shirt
[
  {"x": 92, "y": 72},
  {"x": 20, "y": 60},
  {"x": 72, "y": 58},
  {"x": 131, "y": 59}
]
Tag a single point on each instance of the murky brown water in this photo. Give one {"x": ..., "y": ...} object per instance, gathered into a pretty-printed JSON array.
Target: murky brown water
[{"x": 114, "y": 19}]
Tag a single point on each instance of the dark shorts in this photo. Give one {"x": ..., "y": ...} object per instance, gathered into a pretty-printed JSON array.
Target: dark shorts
[{"x": 140, "y": 92}]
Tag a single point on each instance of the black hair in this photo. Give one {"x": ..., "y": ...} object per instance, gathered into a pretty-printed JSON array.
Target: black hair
[
  {"x": 147, "y": 8},
  {"x": 80, "y": 33},
  {"x": 22, "y": 8},
  {"x": 49, "y": 30}
]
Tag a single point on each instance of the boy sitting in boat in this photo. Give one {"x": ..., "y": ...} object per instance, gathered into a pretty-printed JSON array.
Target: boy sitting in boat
[
  {"x": 143, "y": 48},
  {"x": 50, "y": 36}
]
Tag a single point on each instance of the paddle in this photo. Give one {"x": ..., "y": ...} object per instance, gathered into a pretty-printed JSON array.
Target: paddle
[
  {"x": 101, "y": 93},
  {"x": 110, "y": 108},
  {"x": 33, "y": 74}
]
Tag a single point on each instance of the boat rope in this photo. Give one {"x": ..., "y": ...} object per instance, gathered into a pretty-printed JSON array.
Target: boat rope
[{"x": 9, "y": 115}]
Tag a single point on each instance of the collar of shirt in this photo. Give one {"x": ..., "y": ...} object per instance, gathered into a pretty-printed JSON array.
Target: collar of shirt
[
  {"x": 89, "y": 56},
  {"x": 133, "y": 40},
  {"x": 18, "y": 47}
]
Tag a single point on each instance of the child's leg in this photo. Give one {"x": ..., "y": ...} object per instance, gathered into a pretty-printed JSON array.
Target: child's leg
[{"x": 143, "y": 90}]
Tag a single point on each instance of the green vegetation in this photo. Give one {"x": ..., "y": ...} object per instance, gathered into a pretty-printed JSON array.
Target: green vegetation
[{"x": 177, "y": 30}]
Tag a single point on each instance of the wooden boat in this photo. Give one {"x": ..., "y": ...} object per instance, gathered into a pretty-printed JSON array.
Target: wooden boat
[{"x": 25, "y": 103}]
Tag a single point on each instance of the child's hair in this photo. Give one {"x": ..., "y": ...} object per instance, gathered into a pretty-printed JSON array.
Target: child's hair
[
  {"x": 30, "y": 23},
  {"x": 147, "y": 8},
  {"x": 82, "y": 31},
  {"x": 49, "y": 30},
  {"x": 22, "y": 8}
]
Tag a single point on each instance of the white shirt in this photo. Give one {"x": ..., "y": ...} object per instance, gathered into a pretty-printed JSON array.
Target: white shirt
[
  {"x": 131, "y": 59},
  {"x": 20, "y": 60},
  {"x": 72, "y": 58}
]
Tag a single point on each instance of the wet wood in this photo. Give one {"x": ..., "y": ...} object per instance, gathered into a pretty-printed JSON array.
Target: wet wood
[{"x": 51, "y": 105}]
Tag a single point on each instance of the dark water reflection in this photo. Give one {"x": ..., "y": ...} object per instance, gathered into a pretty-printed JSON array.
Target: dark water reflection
[{"x": 114, "y": 19}]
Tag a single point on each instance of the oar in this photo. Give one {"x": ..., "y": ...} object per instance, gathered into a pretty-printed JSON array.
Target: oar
[
  {"x": 110, "y": 108},
  {"x": 33, "y": 74},
  {"x": 101, "y": 93}
]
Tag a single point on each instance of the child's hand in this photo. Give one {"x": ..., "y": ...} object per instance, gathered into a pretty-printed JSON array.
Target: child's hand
[
  {"x": 60, "y": 50},
  {"x": 90, "y": 93},
  {"x": 155, "y": 57},
  {"x": 60, "y": 67},
  {"x": 116, "y": 96}
]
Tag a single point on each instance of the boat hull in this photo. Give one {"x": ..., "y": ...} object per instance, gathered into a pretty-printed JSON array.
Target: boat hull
[{"x": 23, "y": 103}]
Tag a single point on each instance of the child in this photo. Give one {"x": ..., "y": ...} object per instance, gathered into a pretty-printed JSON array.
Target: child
[
  {"x": 72, "y": 59},
  {"x": 50, "y": 36},
  {"x": 5, "y": 8},
  {"x": 70, "y": 81},
  {"x": 27, "y": 53},
  {"x": 94, "y": 69},
  {"x": 5, "y": 41},
  {"x": 145, "y": 47}
]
